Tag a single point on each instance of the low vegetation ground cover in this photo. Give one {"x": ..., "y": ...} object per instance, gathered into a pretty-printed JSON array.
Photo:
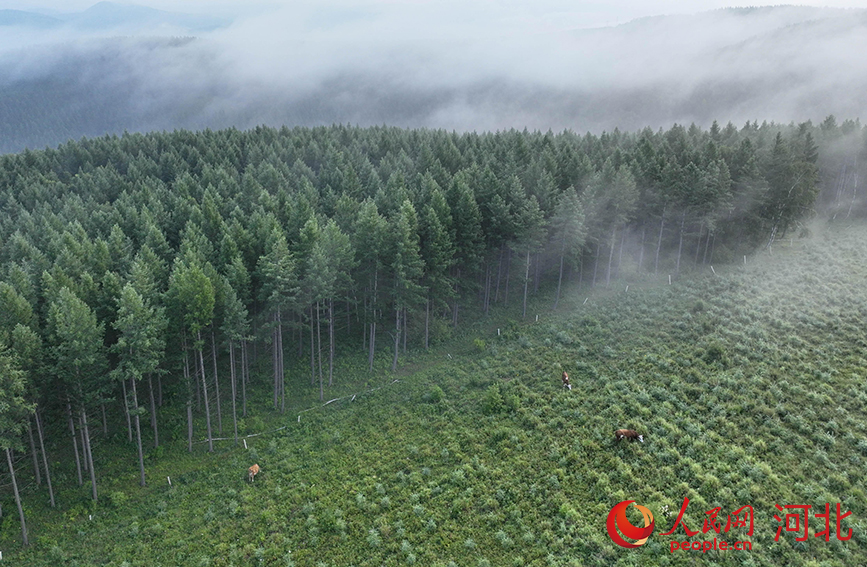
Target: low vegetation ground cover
[{"x": 748, "y": 385}]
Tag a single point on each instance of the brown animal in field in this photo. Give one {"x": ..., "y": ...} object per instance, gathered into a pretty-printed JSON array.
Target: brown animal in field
[
  {"x": 628, "y": 434},
  {"x": 253, "y": 471},
  {"x": 565, "y": 379}
]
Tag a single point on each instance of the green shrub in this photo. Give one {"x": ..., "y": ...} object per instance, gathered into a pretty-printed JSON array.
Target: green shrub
[
  {"x": 434, "y": 396},
  {"x": 118, "y": 499}
]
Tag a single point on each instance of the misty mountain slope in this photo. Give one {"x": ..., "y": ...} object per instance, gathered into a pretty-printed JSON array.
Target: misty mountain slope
[
  {"x": 783, "y": 64},
  {"x": 113, "y": 17},
  {"x": 28, "y": 19},
  {"x": 109, "y": 15}
]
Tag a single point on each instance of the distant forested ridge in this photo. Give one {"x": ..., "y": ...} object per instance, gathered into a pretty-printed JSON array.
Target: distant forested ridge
[
  {"x": 112, "y": 69},
  {"x": 137, "y": 267}
]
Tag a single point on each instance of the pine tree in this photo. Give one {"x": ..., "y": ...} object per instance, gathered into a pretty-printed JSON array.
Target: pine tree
[
  {"x": 193, "y": 294},
  {"x": 140, "y": 348},
  {"x": 279, "y": 277},
  {"x": 569, "y": 231},
  {"x": 78, "y": 360},
  {"x": 14, "y": 415},
  {"x": 406, "y": 269}
]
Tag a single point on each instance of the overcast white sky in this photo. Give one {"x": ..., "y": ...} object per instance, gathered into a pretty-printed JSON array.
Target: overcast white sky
[{"x": 558, "y": 13}]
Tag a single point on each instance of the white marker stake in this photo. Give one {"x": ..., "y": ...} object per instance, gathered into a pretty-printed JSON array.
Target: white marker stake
[
  {"x": 669, "y": 279},
  {"x": 168, "y": 478},
  {"x": 537, "y": 318},
  {"x": 712, "y": 270},
  {"x": 498, "y": 332},
  {"x": 585, "y": 301},
  {"x": 299, "y": 418},
  {"x": 627, "y": 288},
  {"x": 245, "y": 443},
  {"x": 745, "y": 260}
]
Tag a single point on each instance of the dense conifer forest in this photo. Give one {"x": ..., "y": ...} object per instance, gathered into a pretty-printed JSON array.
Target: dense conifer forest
[{"x": 156, "y": 286}]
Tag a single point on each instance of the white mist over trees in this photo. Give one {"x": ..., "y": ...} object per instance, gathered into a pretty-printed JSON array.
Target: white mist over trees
[{"x": 416, "y": 67}]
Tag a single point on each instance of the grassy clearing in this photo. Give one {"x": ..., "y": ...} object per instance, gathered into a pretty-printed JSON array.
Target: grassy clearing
[{"x": 749, "y": 386}]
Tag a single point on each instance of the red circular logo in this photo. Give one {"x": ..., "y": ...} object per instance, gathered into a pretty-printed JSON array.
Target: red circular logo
[{"x": 618, "y": 524}]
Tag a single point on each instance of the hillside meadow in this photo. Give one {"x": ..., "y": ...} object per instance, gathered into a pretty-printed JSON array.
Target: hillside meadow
[{"x": 747, "y": 382}]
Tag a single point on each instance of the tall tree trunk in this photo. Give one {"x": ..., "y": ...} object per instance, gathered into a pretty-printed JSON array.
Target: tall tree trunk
[
  {"x": 596, "y": 262},
  {"x": 698, "y": 243},
  {"x": 234, "y": 389},
  {"x": 712, "y": 244},
  {"x": 137, "y": 420},
  {"x": 74, "y": 442},
  {"x": 244, "y": 374},
  {"x": 24, "y": 538},
  {"x": 88, "y": 453},
  {"x": 126, "y": 410},
  {"x": 280, "y": 362},
  {"x": 620, "y": 253},
  {"x": 348, "y": 318},
  {"x": 405, "y": 328},
  {"x": 854, "y": 192},
  {"x": 372, "y": 339},
  {"x": 427, "y": 323},
  {"x": 44, "y": 457},
  {"x": 610, "y": 256},
  {"x": 153, "y": 412},
  {"x": 187, "y": 379},
  {"x": 526, "y": 283},
  {"x": 104, "y": 421},
  {"x": 275, "y": 371},
  {"x": 330, "y": 342},
  {"x": 508, "y": 274},
  {"x": 680, "y": 244},
  {"x": 274, "y": 359},
  {"x": 487, "y": 294},
  {"x": 396, "y": 337},
  {"x": 83, "y": 444},
  {"x": 366, "y": 323},
  {"x": 659, "y": 243},
  {"x": 457, "y": 298},
  {"x": 560, "y": 277},
  {"x": 300, "y": 334},
  {"x": 216, "y": 383},
  {"x": 159, "y": 391},
  {"x": 641, "y": 252},
  {"x": 499, "y": 273},
  {"x": 34, "y": 454},
  {"x": 319, "y": 349},
  {"x": 197, "y": 382},
  {"x": 537, "y": 266},
  {"x": 312, "y": 351},
  {"x": 706, "y": 246},
  {"x": 205, "y": 396},
  {"x": 190, "y": 425}
]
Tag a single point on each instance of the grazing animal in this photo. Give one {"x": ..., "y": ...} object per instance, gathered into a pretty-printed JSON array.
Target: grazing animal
[
  {"x": 628, "y": 434},
  {"x": 565, "y": 379},
  {"x": 254, "y": 470}
]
